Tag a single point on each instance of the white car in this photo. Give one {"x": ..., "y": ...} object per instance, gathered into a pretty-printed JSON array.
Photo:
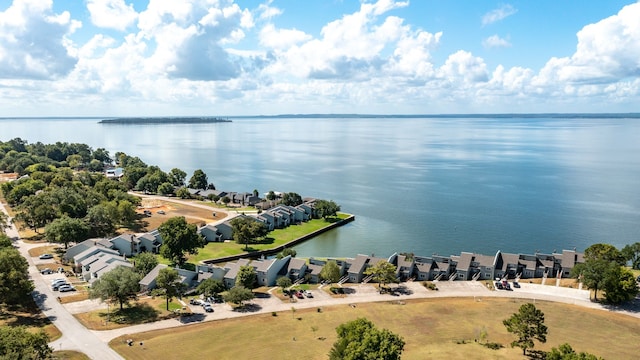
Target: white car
[
  {"x": 58, "y": 285},
  {"x": 45, "y": 256},
  {"x": 58, "y": 281},
  {"x": 66, "y": 287}
]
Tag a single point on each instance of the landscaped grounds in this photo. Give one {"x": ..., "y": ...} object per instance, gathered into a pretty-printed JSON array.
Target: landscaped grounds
[{"x": 432, "y": 329}]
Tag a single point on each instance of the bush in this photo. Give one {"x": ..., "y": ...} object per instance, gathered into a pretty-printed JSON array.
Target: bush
[{"x": 493, "y": 346}]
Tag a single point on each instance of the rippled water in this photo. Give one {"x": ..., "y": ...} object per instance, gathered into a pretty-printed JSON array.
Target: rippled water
[{"x": 416, "y": 185}]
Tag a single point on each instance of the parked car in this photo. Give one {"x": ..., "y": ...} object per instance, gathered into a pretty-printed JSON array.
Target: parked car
[
  {"x": 161, "y": 212},
  {"x": 57, "y": 286},
  {"x": 45, "y": 256},
  {"x": 195, "y": 302},
  {"x": 208, "y": 308},
  {"x": 498, "y": 285},
  {"x": 307, "y": 293},
  {"x": 60, "y": 270},
  {"x": 46, "y": 271},
  {"x": 516, "y": 284},
  {"x": 205, "y": 304},
  {"x": 66, "y": 287},
  {"x": 58, "y": 281},
  {"x": 299, "y": 295}
]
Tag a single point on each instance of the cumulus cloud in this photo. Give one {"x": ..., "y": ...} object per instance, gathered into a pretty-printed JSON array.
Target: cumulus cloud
[
  {"x": 498, "y": 14},
  {"x": 607, "y": 51},
  {"x": 33, "y": 41},
  {"x": 273, "y": 38},
  {"x": 462, "y": 65},
  {"x": 111, "y": 14},
  {"x": 495, "y": 41}
]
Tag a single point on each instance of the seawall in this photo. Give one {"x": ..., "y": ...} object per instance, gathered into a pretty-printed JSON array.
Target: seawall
[{"x": 275, "y": 250}]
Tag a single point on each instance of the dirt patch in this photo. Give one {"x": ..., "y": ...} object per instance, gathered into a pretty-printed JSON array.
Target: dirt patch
[
  {"x": 158, "y": 211},
  {"x": 8, "y": 176}
]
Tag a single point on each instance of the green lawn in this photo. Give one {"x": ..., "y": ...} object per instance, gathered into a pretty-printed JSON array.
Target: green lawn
[{"x": 275, "y": 238}]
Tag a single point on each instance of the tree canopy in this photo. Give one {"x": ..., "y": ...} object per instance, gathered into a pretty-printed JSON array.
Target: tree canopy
[
  {"x": 65, "y": 230},
  {"x": 566, "y": 352},
  {"x": 330, "y": 271},
  {"x": 118, "y": 285},
  {"x": 528, "y": 325},
  {"x": 631, "y": 253},
  {"x": 360, "y": 339},
  {"x": 15, "y": 285},
  {"x": 603, "y": 270},
  {"x": 247, "y": 277},
  {"x": 326, "y": 208},
  {"x": 169, "y": 285},
  {"x": 145, "y": 262},
  {"x": 179, "y": 238},
  {"x": 291, "y": 199},
  {"x": 16, "y": 342},
  {"x": 198, "y": 180},
  {"x": 238, "y": 295},
  {"x": 247, "y": 230},
  {"x": 383, "y": 272},
  {"x": 211, "y": 287}
]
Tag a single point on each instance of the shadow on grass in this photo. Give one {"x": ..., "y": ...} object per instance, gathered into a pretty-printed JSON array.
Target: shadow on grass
[{"x": 138, "y": 314}]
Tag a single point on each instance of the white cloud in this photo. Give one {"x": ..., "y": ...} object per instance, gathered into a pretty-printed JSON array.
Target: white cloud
[
  {"x": 498, "y": 14},
  {"x": 111, "y": 14},
  {"x": 33, "y": 41},
  {"x": 462, "y": 65},
  {"x": 495, "y": 41},
  {"x": 267, "y": 11},
  {"x": 273, "y": 38},
  {"x": 607, "y": 51}
]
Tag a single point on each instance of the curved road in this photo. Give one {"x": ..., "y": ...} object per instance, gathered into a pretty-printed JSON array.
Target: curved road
[{"x": 74, "y": 335}]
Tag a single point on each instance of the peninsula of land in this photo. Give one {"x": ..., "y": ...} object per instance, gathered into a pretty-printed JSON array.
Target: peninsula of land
[{"x": 164, "y": 120}]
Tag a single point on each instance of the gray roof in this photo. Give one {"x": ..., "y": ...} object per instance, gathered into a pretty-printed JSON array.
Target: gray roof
[
  {"x": 263, "y": 265},
  {"x": 234, "y": 267},
  {"x": 152, "y": 275},
  {"x": 357, "y": 264},
  {"x": 295, "y": 264}
]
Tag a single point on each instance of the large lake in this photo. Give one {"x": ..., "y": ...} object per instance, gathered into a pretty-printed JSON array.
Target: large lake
[{"x": 419, "y": 185}]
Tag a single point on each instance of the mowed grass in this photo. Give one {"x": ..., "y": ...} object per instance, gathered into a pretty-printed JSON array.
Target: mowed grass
[
  {"x": 30, "y": 316},
  {"x": 432, "y": 329},
  {"x": 275, "y": 238}
]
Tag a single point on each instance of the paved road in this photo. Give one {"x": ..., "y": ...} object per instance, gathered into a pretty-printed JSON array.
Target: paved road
[{"x": 74, "y": 335}]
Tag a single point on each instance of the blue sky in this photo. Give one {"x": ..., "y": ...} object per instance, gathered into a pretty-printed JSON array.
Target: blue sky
[{"x": 224, "y": 57}]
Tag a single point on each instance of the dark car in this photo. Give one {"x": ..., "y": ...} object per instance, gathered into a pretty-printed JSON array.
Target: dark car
[
  {"x": 498, "y": 285},
  {"x": 516, "y": 284},
  {"x": 46, "y": 271},
  {"x": 208, "y": 308}
]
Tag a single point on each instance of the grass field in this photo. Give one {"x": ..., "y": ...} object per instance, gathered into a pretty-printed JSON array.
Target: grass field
[
  {"x": 31, "y": 317},
  {"x": 275, "y": 238},
  {"x": 432, "y": 329},
  {"x": 143, "y": 311}
]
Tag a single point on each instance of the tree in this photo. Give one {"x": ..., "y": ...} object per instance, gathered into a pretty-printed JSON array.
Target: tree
[
  {"x": 118, "y": 285},
  {"x": 383, "y": 272},
  {"x": 64, "y": 230},
  {"x": 238, "y": 295},
  {"x": 565, "y": 352},
  {"x": 619, "y": 285},
  {"x": 246, "y": 230},
  {"x": 632, "y": 253},
  {"x": 15, "y": 285},
  {"x": 145, "y": 262},
  {"x": 179, "y": 238},
  {"x": 183, "y": 193},
  {"x": 16, "y": 342},
  {"x": 247, "y": 277},
  {"x": 326, "y": 208},
  {"x": 330, "y": 272},
  {"x": 360, "y": 339},
  {"x": 226, "y": 200},
  {"x": 599, "y": 261},
  {"x": 284, "y": 282},
  {"x": 198, "y": 180},
  {"x": 528, "y": 325},
  {"x": 177, "y": 177},
  {"x": 169, "y": 284},
  {"x": 5, "y": 241},
  {"x": 4, "y": 221},
  {"x": 291, "y": 199},
  {"x": 286, "y": 252},
  {"x": 211, "y": 287},
  {"x": 165, "y": 189},
  {"x": 101, "y": 220},
  {"x": 271, "y": 195}
]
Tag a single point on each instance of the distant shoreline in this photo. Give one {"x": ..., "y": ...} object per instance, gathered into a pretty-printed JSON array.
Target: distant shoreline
[
  {"x": 164, "y": 120},
  {"x": 205, "y": 119}
]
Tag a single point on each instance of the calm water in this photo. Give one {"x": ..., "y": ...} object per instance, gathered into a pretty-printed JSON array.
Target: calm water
[{"x": 417, "y": 185}]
